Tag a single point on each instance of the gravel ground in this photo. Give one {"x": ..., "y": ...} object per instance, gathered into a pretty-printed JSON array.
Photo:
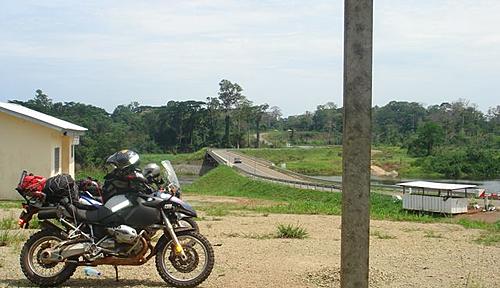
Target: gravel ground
[{"x": 402, "y": 254}]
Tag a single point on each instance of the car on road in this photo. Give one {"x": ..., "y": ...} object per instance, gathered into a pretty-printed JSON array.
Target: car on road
[{"x": 237, "y": 160}]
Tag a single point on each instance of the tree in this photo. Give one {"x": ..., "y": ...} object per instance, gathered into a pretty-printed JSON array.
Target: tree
[
  {"x": 428, "y": 137},
  {"x": 229, "y": 95},
  {"x": 494, "y": 119},
  {"x": 275, "y": 116},
  {"x": 42, "y": 100},
  {"x": 259, "y": 111},
  {"x": 213, "y": 112},
  {"x": 325, "y": 118},
  {"x": 403, "y": 116},
  {"x": 242, "y": 112}
]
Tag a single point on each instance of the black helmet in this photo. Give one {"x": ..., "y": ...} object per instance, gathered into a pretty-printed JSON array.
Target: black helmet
[
  {"x": 151, "y": 171},
  {"x": 123, "y": 159}
]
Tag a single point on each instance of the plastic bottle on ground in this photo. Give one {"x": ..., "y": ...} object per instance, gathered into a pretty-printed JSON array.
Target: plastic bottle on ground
[{"x": 89, "y": 271}]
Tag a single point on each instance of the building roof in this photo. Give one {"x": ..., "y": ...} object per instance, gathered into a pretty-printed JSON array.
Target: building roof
[
  {"x": 40, "y": 118},
  {"x": 436, "y": 185}
]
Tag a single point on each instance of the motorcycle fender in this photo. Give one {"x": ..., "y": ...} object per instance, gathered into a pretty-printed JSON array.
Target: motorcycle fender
[
  {"x": 178, "y": 230},
  {"x": 49, "y": 225}
]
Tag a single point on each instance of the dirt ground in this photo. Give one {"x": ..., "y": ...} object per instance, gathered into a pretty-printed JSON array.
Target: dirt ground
[{"x": 402, "y": 254}]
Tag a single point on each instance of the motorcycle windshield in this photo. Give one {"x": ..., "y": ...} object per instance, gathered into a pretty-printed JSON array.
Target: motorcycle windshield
[{"x": 170, "y": 173}]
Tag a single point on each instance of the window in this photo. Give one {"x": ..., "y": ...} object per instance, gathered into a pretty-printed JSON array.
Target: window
[
  {"x": 72, "y": 151},
  {"x": 57, "y": 156}
]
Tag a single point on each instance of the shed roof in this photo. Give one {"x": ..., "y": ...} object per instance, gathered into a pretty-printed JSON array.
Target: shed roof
[
  {"x": 40, "y": 118},
  {"x": 436, "y": 185}
]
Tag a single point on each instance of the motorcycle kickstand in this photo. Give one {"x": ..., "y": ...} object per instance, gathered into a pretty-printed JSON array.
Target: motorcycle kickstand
[{"x": 116, "y": 272}]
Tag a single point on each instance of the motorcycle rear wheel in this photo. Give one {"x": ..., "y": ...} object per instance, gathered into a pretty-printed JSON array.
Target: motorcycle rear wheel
[
  {"x": 29, "y": 260},
  {"x": 175, "y": 271}
]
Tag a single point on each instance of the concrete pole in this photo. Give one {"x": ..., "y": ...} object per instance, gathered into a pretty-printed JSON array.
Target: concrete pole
[{"x": 358, "y": 31}]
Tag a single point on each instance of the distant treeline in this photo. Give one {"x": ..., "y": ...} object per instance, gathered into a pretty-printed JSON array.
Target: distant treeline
[{"x": 446, "y": 136}]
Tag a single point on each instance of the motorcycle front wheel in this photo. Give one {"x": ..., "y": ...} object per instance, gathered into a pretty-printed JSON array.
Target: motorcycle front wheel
[
  {"x": 188, "y": 222},
  {"x": 187, "y": 271}
]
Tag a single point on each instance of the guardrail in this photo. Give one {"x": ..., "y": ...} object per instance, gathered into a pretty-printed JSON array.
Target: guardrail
[
  {"x": 217, "y": 157},
  {"x": 292, "y": 183}
]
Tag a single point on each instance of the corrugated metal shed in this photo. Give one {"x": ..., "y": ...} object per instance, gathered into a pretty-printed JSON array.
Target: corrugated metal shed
[
  {"x": 436, "y": 185},
  {"x": 442, "y": 197}
]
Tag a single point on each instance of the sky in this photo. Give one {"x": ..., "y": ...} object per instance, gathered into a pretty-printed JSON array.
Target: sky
[{"x": 284, "y": 53}]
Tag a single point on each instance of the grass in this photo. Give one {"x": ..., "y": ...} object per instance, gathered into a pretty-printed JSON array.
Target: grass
[
  {"x": 217, "y": 211},
  {"x": 8, "y": 223},
  {"x": 382, "y": 235},
  {"x": 12, "y": 223},
  {"x": 288, "y": 231},
  {"x": 317, "y": 161},
  {"x": 432, "y": 234},
  {"x": 8, "y": 204},
  {"x": 291, "y": 231},
  {"x": 99, "y": 173},
  {"x": 287, "y": 200},
  {"x": 9, "y": 238},
  {"x": 328, "y": 160},
  {"x": 195, "y": 157},
  {"x": 488, "y": 238},
  {"x": 250, "y": 235},
  {"x": 94, "y": 172},
  {"x": 290, "y": 200}
]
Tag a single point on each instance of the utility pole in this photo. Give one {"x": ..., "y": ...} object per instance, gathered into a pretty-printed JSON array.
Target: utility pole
[{"x": 358, "y": 34}]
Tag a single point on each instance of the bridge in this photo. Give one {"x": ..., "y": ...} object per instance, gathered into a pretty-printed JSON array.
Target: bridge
[{"x": 267, "y": 171}]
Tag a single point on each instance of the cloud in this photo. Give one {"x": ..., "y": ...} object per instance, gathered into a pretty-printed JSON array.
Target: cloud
[{"x": 276, "y": 49}]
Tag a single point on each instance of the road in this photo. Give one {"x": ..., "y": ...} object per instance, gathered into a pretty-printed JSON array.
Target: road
[{"x": 257, "y": 167}]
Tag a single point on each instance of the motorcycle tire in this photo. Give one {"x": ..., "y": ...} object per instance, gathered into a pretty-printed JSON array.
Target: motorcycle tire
[
  {"x": 27, "y": 256},
  {"x": 161, "y": 250},
  {"x": 189, "y": 222}
]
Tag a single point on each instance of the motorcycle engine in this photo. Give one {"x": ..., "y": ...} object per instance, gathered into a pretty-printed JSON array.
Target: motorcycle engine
[{"x": 123, "y": 234}]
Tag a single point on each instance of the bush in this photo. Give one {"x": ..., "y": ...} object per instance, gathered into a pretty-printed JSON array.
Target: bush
[
  {"x": 470, "y": 162},
  {"x": 291, "y": 231}
]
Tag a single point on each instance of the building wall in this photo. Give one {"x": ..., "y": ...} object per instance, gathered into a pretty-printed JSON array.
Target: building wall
[{"x": 29, "y": 146}]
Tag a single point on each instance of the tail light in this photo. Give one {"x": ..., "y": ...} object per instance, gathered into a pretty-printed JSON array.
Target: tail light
[{"x": 22, "y": 223}]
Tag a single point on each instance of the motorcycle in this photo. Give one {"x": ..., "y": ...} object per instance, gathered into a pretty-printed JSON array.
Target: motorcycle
[
  {"x": 89, "y": 198},
  {"x": 174, "y": 187},
  {"x": 119, "y": 232}
]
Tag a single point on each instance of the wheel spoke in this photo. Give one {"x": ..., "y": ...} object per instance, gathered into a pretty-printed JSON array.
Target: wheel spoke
[
  {"x": 34, "y": 258},
  {"x": 193, "y": 266}
]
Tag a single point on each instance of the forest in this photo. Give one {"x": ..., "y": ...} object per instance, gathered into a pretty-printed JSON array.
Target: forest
[{"x": 454, "y": 139}]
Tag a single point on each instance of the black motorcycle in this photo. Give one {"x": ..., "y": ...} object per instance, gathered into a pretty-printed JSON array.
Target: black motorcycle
[
  {"x": 118, "y": 233},
  {"x": 90, "y": 192}
]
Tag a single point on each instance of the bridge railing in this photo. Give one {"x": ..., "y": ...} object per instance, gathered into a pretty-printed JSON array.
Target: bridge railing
[
  {"x": 217, "y": 157},
  {"x": 292, "y": 183}
]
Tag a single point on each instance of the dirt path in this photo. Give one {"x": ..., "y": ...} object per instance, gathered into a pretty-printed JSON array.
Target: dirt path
[{"x": 402, "y": 254}]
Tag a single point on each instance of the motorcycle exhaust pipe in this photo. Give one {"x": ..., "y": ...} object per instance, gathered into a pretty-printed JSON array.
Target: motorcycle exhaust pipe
[{"x": 47, "y": 214}]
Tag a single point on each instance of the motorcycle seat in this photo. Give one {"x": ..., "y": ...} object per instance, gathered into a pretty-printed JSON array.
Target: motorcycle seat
[{"x": 94, "y": 216}]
